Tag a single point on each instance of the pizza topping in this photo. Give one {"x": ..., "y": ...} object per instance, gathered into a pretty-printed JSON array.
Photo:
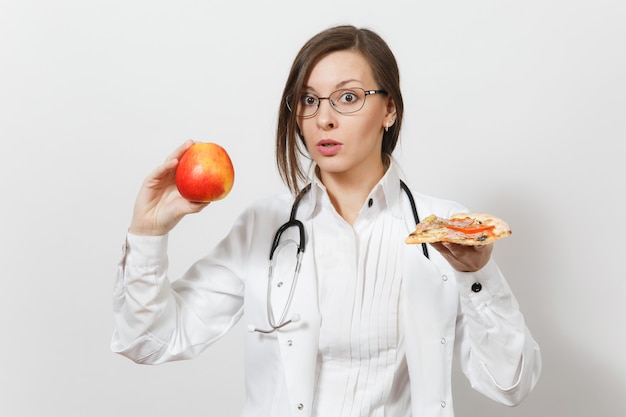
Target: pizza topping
[
  {"x": 463, "y": 228},
  {"x": 470, "y": 230}
]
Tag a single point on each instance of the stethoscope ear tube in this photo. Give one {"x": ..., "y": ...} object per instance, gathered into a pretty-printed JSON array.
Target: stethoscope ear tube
[
  {"x": 414, "y": 209},
  {"x": 293, "y": 222}
]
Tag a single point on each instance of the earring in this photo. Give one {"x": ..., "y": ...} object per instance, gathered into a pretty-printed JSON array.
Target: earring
[{"x": 389, "y": 123}]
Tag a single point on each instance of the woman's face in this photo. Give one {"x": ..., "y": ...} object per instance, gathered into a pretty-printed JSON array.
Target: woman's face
[{"x": 346, "y": 144}]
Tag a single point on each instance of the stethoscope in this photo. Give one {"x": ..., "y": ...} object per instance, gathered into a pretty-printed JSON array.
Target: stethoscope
[{"x": 277, "y": 246}]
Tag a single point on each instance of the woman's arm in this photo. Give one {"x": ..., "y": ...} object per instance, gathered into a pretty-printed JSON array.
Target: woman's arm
[
  {"x": 497, "y": 351},
  {"x": 157, "y": 320}
]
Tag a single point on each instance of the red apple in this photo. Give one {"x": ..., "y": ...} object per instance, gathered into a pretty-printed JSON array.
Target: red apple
[{"x": 205, "y": 173}]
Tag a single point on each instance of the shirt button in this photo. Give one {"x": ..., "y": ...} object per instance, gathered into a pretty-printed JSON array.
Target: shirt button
[
  {"x": 280, "y": 284},
  {"x": 444, "y": 277},
  {"x": 300, "y": 406},
  {"x": 476, "y": 287},
  {"x": 443, "y": 404},
  {"x": 370, "y": 202},
  {"x": 289, "y": 342},
  {"x": 443, "y": 340}
]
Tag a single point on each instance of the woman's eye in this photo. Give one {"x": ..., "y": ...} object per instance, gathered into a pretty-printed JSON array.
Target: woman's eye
[
  {"x": 308, "y": 100},
  {"x": 348, "y": 97}
]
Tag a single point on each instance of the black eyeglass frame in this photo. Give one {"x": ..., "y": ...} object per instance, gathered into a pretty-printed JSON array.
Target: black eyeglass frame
[{"x": 332, "y": 104}]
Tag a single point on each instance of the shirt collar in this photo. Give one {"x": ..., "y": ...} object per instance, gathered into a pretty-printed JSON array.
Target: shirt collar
[{"x": 386, "y": 193}]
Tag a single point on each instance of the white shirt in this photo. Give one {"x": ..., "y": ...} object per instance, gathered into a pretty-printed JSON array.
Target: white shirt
[{"x": 361, "y": 370}]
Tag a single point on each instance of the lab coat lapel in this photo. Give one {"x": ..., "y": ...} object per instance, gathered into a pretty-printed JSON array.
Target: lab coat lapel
[
  {"x": 429, "y": 307},
  {"x": 299, "y": 341}
]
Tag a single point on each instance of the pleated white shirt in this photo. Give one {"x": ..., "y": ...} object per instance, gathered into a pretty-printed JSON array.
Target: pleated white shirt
[{"x": 361, "y": 368}]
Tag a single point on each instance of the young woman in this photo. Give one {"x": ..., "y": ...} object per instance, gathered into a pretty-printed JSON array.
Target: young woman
[{"x": 349, "y": 320}]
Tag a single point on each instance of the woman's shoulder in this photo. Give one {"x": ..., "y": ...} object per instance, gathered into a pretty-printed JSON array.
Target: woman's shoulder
[
  {"x": 429, "y": 204},
  {"x": 274, "y": 204}
]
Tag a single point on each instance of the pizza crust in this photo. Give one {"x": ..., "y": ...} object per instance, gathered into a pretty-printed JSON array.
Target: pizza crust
[{"x": 433, "y": 229}]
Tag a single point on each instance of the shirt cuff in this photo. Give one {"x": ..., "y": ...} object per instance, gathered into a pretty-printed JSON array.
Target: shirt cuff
[
  {"x": 145, "y": 250},
  {"x": 481, "y": 285}
]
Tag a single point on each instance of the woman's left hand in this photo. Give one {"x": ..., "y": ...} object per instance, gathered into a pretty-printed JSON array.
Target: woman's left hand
[{"x": 464, "y": 258}]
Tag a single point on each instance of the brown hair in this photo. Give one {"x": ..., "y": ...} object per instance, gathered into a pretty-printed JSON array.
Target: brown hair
[{"x": 289, "y": 140}]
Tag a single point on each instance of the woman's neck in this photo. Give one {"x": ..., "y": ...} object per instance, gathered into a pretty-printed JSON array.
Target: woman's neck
[{"x": 348, "y": 190}]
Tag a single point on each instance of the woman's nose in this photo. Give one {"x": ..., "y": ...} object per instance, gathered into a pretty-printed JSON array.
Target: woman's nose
[{"x": 326, "y": 114}]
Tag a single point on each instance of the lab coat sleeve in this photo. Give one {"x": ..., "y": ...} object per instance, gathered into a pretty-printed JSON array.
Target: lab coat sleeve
[
  {"x": 497, "y": 351},
  {"x": 158, "y": 320}
]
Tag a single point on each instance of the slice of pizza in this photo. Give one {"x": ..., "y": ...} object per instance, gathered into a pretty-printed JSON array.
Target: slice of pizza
[{"x": 470, "y": 229}]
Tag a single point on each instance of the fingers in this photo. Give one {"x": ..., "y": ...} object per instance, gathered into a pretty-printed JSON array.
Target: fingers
[
  {"x": 167, "y": 168},
  {"x": 457, "y": 250},
  {"x": 464, "y": 258},
  {"x": 463, "y": 250},
  {"x": 195, "y": 207},
  {"x": 439, "y": 246},
  {"x": 178, "y": 152},
  {"x": 162, "y": 172},
  {"x": 159, "y": 206}
]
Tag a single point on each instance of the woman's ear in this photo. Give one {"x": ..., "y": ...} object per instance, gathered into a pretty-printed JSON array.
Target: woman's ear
[
  {"x": 391, "y": 107},
  {"x": 390, "y": 117}
]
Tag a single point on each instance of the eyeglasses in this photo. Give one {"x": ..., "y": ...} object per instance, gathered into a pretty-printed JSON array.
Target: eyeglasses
[{"x": 344, "y": 101}]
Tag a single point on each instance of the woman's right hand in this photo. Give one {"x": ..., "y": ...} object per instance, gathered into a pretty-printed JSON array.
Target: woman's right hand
[{"x": 159, "y": 206}]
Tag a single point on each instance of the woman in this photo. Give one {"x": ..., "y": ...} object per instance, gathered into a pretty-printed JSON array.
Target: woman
[{"x": 372, "y": 324}]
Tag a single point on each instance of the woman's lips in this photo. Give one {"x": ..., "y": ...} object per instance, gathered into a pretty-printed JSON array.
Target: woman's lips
[{"x": 328, "y": 147}]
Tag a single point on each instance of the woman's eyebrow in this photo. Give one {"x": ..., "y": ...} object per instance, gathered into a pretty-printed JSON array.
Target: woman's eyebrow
[
  {"x": 343, "y": 83},
  {"x": 338, "y": 85}
]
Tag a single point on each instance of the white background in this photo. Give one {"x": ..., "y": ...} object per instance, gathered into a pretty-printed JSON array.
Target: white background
[{"x": 512, "y": 107}]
